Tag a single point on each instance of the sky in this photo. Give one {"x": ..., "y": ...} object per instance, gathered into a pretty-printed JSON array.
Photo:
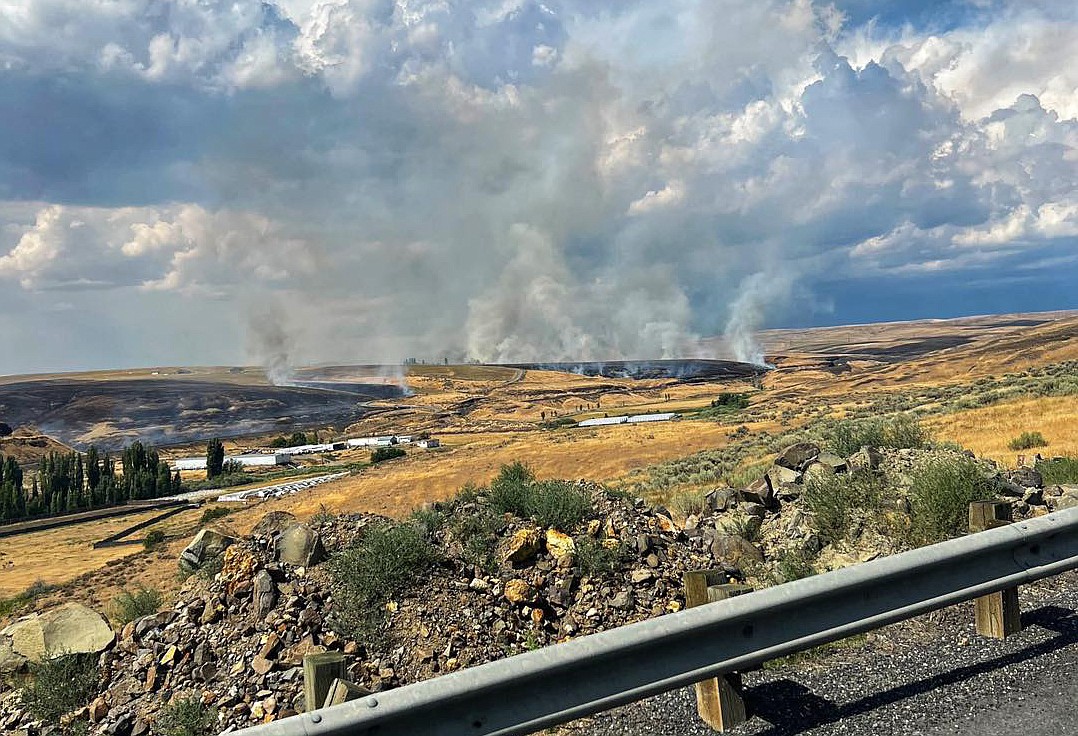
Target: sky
[{"x": 301, "y": 181}]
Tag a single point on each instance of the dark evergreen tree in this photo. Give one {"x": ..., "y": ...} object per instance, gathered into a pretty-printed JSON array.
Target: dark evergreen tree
[{"x": 215, "y": 458}]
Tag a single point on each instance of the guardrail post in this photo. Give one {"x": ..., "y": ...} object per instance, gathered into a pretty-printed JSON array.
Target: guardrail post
[
  {"x": 997, "y": 615},
  {"x": 718, "y": 700},
  {"x": 319, "y": 672}
]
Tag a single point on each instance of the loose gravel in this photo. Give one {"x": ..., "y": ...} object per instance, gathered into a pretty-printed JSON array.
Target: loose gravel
[{"x": 930, "y": 676}]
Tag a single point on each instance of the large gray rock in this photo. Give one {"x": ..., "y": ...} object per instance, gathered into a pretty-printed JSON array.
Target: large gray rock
[
  {"x": 206, "y": 545},
  {"x": 735, "y": 550},
  {"x": 721, "y": 499},
  {"x": 865, "y": 459},
  {"x": 797, "y": 456},
  {"x": 300, "y": 545},
  {"x": 273, "y": 523},
  {"x": 68, "y": 629}
]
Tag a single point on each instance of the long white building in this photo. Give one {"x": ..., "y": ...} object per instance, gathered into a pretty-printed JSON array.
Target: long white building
[{"x": 247, "y": 461}]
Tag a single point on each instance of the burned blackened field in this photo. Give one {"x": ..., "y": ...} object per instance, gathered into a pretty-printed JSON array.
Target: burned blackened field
[
  {"x": 688, "y": 370},
  {"x": 111, "y": 413}
]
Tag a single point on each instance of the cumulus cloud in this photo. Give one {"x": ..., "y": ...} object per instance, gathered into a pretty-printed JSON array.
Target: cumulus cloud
[{"x": 515, "y": 180}]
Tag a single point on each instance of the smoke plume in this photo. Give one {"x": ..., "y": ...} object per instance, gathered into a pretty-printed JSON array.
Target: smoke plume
[{"x": 269, "y": 343}]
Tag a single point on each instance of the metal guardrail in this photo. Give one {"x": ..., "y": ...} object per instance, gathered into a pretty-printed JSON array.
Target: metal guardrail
[{"x": 557, "y": 684}]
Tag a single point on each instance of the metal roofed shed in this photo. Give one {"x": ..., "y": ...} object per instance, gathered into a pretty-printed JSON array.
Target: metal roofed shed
[
  {"x": 665, "y": 417},
  {"x": 602, "y": 421}
]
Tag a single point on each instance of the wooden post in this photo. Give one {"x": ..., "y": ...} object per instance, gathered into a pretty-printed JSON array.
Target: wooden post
[
  {"x": 342, "y": 691},
  {"x": 997, "y": 615},
  {"x": 718, "y": 700},
  {"x": 319, "y": 672}
]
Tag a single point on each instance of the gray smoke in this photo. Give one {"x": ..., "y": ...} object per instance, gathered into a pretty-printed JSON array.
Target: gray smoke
[
  {"x": 757, "y": 294},
  {"x": 269, "y": 343}
]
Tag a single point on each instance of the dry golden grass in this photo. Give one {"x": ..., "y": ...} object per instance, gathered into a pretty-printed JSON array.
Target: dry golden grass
[
  {"x": 988, "y": 430},
  {"x": 56, "y": 556}
]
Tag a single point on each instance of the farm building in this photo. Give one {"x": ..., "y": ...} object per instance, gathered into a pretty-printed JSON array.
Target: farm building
[
  {"x": 634, "y": 419},
  {"x": 428, "y": 444},
  {"x": 602, "y": 421},
  {"x": 247, "y": 461}
]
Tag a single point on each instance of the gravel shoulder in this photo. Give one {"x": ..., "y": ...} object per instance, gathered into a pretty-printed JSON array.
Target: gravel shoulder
[{"x": 930, "y": 676}]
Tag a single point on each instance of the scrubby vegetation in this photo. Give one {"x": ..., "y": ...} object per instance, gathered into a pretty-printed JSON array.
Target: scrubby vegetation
[
  {"x": 185, "y": 717},
  {"x": 384, "y": 560},
  {"x": 1059, "y": 470},
  {"x": 130, "y": 605},
  {"x": 381, "y": 454},
  {"x": 551, "y": 503},
  {"x": 212, "y": 514},
  {"x": 60, "y": 685},
  {"x": 900, "y": 431},
  {"x": 593, "y": 558},
  {"x": 838, "y": 501},
  {"x": 940, "y": 494},
  {"x": 8, "y": 606},
  {"x": 153, "y": 539},
  {"x": 1027, "y": 441}
]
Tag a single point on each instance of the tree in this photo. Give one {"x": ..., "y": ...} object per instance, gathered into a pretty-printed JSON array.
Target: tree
[{"x": 215, "y": 458}]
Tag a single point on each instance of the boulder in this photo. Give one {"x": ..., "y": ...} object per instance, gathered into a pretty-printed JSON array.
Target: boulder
[
  {"x": 301, "y": 546},
  {"x": 797, "y": 456},
  {"x": 783, "y": 482},
  {"x": 1025, "y": 477},
  {"x": 518, "y": 591},
  {"x": 735, "y": 550},
  {"x": 866, "y": 459},
  {"x": 721, "y": 499},
  {"x": 833, "y": 461},
  {"x": 68, "y": 629},
  {"x": 521, "y": 546},
  {"x": 273, "y": 523},
  {"x": 206, "y": 545},
  {"x": 559, "y": 545},
  {"x": 759, "y": 491}
]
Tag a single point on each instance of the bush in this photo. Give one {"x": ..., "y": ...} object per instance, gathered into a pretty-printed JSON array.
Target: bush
[
  {"x": 153, "y": 539},
  {"x": 478, "y": 535},
  {"x": 1059, "y": 470},
  {"x": 129, "y": 605},
  {"x": 232, "y": 467},
  {"x": 185, "y": 717},
  {"x": 940, "y": 496},
  {"x": 510, "y": 491},
  {"x": 901, "y": 431},
  {"x": 213, "y": 514},
  {"x": 1027, "y": 441},
  {"x": 430, "y": 519},
  {"x": 381, "y": 564},
  {"x": 687, "y": 503},
  {"x": 60, "y": 685},
  {"x": 558, "y": 504},
  {"x": 730, "y": 402},
  {"x": 381, "y": 454},
  {"x": 837, "y": 500},
  {"x": 794, "y": 564},
  {"x": 279, "y": 442},
  {"x": 592, "y": 558},
  {"x": 8, "y": 606}
]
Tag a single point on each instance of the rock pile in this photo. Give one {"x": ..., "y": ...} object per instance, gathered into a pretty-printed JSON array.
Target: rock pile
[{"x": 236, "y": 637}]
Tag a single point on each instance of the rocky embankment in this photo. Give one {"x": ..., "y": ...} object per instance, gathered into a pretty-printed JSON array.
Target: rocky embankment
[{"x": 253, "y": 607}]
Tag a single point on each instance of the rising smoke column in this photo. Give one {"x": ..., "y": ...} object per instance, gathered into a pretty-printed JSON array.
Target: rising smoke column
[
  {"x": 756, "y": 295},
  {"x": 270, "y": 343}
]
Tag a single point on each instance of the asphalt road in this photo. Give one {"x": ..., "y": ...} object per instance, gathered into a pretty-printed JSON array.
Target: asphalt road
[{"x": 931, "y": 676}]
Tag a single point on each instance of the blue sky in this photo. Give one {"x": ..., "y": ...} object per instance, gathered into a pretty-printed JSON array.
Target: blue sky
[{"x": 362, "y": 180}]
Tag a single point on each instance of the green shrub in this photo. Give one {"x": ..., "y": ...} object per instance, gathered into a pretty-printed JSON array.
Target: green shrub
[
  {"x": 592, "y": 558},
  {"x": 232, "y": 467},
  {"x": 60, "y": 685},
  {"x": 730, "y": 401},
  {"x": 185, "y": 717},
  {"x": 558, "y": 504},
  {"x": 687, "y": 503},
  {"x": 153, "y": 539},
  {"x": 213, "y": 514},
  {"x": 551, "y": 503},
  {"x": 511, "y": 489},
  {"x": 837, "y": 500},
  {"x": 1027, "y": 441},
  {"x": 381, "y": 454},
  {"x": 941, "y": 492},
  {"x": 900, "y": 431},
  {"x": 430, "y": 519},
  {"x": 1059, "y": 470},
  {"x": 131, "y": 605},
  {"x": 478, "y": 535},
  {"x": 794, "y": 564},
  {"x": 379, "y": 565},
  {"x": 741, "y": 525}
]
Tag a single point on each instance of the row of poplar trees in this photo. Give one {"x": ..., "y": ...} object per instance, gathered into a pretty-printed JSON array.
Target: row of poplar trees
[{"x": 73, "y": 482}]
